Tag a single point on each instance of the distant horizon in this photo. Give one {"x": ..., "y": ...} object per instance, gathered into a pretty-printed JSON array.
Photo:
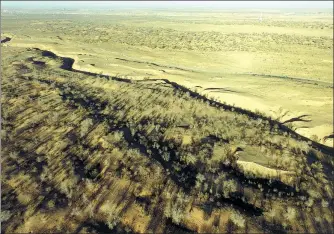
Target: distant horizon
[{"x": 216, "y": 5}]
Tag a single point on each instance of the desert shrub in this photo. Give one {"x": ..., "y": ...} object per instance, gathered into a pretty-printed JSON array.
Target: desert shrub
[
  {"x": 229, "y": 186},
  {"x": 112, "y": 216},
  {"x": 5, "y": 215},
  {"x": 237, "y": 219},
  {"x": 176, "y": 210},
  {"x": 84, "y": 127},
  {"x": 51, "y": 204},
  {"x": 199, "y": 180},
  {"x": 188, "y": 158},
  {"x": 220, "y": 153},
  {"x": 315, "y": 138},
  {"x": 13, "y": 155},
  {"x": 166, "y": 156},
  {"x": 290, "y": 214}
]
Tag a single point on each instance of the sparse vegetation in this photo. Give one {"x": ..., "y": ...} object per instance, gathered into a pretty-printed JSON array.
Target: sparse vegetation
[{"x": 97, "y": 153}]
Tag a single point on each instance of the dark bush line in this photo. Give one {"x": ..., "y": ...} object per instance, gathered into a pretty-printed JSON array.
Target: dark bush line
[
  {"x": 6, "y": 39},
  {"x": 68, "y": 63},
  {"x": 134, "y": 142}
]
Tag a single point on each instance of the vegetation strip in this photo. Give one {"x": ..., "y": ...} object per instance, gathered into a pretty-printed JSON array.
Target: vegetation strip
[{"x": 133, "y": 156}]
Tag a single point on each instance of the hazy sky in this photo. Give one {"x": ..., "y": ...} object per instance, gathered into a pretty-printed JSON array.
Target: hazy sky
[{"x": 165, "y": 4}]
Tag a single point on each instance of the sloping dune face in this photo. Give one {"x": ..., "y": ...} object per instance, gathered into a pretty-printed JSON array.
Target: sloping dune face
[{"x": 84, "y": 152}]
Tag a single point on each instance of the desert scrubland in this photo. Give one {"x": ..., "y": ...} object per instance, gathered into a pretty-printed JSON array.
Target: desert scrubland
[{"x": 167, "y": 122}]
